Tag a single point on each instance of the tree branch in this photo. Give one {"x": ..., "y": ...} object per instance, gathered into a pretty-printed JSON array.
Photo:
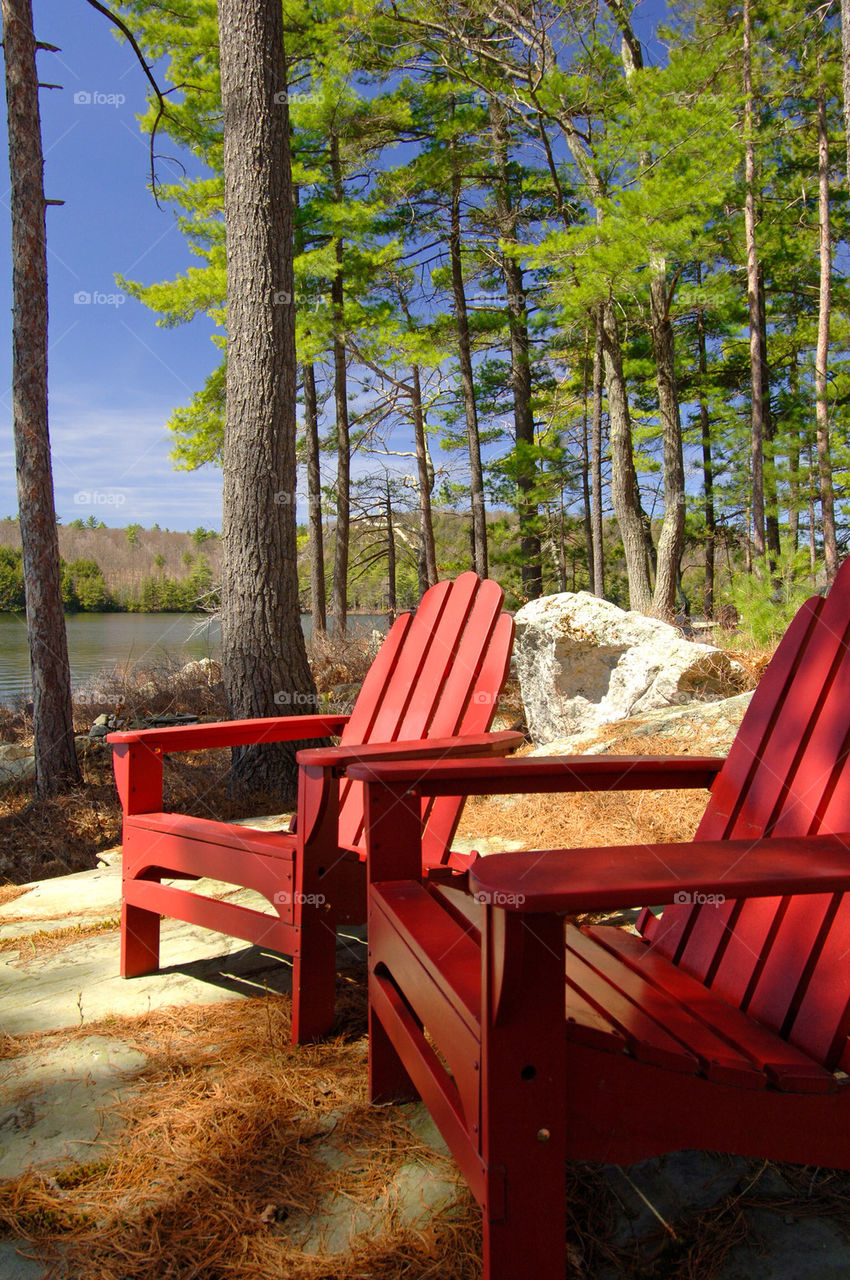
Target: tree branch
[{"x": 125, "y": 30}]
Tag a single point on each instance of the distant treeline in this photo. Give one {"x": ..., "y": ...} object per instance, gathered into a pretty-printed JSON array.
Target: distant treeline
[
  {"x": 127, "y": 570},
  {"x": 160, "y": 571}
]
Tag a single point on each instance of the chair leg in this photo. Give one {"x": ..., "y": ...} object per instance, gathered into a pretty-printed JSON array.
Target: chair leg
[
  {"x": 529, "y": 1237},
  {"x": 523, "y": 1097},
  {"x": 139, "y": 941},
  {"x": 314, "y": 978},
  {"x": 388, "y": 1079}
]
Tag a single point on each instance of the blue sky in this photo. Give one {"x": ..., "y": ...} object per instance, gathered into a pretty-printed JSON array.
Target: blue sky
[{"x": 114, "y": 376}]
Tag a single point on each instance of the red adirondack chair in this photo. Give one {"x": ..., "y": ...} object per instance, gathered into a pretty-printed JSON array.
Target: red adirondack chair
[
  {"x": 724, "y": 1026},
  {"x": 430, "y": 693}
]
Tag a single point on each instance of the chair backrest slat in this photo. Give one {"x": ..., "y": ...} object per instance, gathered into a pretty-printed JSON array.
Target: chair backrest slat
[
  {"x": 678, "y": 935},
  {"x": 784, "y": 960},
  {"x": 821, "y": 1021},
  {"x": 439, "y": 683},
  {"x": 442, "y": 817}
]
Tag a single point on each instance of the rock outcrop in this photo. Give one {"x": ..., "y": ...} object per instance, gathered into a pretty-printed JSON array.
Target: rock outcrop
[{"x": 582, "y": 662}]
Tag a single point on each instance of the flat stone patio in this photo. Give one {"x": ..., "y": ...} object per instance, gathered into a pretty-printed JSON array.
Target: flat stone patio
[{"x": 57, "y": 1100}]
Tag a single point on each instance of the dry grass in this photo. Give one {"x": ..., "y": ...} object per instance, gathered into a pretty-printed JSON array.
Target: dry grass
[
  {"x": 164, "y": 687},
  {"x": 588, "y": 819},
  {"x": 220, "y": 1166},
  {"x": 223, "y": 1162},
  {"x": 48, "y": 941},
  {"x": 341, "y": 660}
]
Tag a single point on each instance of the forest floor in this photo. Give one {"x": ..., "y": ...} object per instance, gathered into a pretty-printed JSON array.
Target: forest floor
[{"x": 181, "y": 1077}]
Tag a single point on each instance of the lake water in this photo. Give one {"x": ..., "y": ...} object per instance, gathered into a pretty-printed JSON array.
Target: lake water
[{"x": 103, "y": 641}]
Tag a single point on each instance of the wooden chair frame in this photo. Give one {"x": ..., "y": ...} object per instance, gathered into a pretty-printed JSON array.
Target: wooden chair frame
[
  {"x": 431, "y": 692},
  {"x": 725, "y": 1026}
]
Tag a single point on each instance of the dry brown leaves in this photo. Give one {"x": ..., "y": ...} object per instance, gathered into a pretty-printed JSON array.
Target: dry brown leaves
[
  {"x": 219, "y": 1159},
  {"x": 584, "y": 820}
]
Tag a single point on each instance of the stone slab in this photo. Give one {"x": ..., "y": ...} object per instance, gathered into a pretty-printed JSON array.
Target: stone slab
[
  {"x": 80, "y": 983},
  {"x": 17, "y": 1262},
  {"x": 58, "y": 1102}
]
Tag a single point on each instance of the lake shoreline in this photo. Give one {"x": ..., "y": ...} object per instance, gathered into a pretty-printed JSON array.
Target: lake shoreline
[{"x": 101, "y": 643}]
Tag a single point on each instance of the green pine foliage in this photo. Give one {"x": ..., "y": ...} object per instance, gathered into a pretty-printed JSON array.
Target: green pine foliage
[{"x": 616, "y": 171}]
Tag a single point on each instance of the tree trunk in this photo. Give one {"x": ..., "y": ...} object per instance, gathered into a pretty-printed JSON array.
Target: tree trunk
[
  {"x": 596, "y": 460},
  {"x": 585, "y": 477},
  {"x": 520, "y": 364},
  {"x": 707, "y": 470},
  {"x": 813, "y": 555},
  {"x": 263, "y": 653},
  {"x": 845, "y": 52},
  {"x": 753, "y": 298},
  {"x": 314, "y": 501},
  {"x": 794, "y": 448},
  {"x": 343, "y": 445},
  {"x": 56, "y": 767},
  {"x": 476, "y": 474},
  {"x": 771, "y": 500},
  {"x": 827, "y": 497},
  {"x": 672, "y": 537},
  {"x": 392, "y": 593},
  {"x": 625, "y": 493},
  {"x": 425, "y": 470}
]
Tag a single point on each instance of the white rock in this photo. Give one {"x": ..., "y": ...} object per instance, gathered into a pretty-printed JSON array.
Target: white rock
[
  {"x": 583, "y": 662},
  {"x": 16, "y": 764}
]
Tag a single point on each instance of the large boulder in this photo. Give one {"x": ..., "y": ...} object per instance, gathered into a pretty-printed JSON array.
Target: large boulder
[{"x": 583, "y": 662}]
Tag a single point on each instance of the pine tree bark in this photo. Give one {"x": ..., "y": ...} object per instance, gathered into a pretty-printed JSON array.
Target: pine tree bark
[
  {"x": 56, "y": 767},
  {"x": 845, "y": 55},
  {"x": 672, "y": 537},
  {"x": 531, "y": 574},
  {"x": 707, "y": 469},
  {"x": 771, "y": 499},
  {"x": 827, "y": 497},
  {"x": 625, "y": 493},
  {"x": 596, "y": 460},
  {"x": 264, "y": 656},
  {"x": 587, "y": 514},
  {"x": 425, "y": 470},
  {"x": 476, "y": 473},
  {"x": 392, "y": 593},
  {"x": 753, "y": 299},
  {"x": 318, "y": 604},
  {"x": 343, "y": 441}
]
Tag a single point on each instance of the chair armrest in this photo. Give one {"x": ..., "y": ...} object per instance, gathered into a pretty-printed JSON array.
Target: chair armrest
[
  {"x": 472, "y": 745},
  {"x": 232, "y": 733},
  {"x": 544, "y": 773},
  {"x": 699, "y": 871}
]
